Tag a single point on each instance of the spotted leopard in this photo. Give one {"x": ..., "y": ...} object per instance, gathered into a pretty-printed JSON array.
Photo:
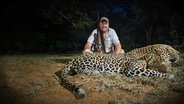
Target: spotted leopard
[
  {"x": 110, "y": 63},
  {"x": 156, "y": 56}
]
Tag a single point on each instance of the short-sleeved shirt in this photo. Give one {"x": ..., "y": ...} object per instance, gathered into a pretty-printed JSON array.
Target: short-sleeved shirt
[{"x": 110, "y": 39}]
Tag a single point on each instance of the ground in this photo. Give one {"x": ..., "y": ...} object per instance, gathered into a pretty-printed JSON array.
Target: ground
[{"x": 30, "y": 79}]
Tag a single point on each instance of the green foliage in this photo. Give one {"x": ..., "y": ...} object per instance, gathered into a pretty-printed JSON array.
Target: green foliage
[
  {"x": 33, "y": 42},
  {"x": 83, "y": 22},
  {"x": 140, "y": 22}
]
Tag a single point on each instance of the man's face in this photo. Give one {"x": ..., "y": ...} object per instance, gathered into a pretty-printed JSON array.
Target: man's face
[{"x": 104, "y": 26}]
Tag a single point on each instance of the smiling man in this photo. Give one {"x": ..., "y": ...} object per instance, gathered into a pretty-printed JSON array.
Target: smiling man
[{"x": 103, "y": 39}]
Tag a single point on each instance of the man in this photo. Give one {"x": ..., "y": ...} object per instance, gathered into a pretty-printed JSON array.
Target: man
[{"x": 106, "y": 42}]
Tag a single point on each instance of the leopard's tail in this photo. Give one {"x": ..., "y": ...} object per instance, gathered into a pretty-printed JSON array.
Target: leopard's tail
[{"x": 62, "y": 75}]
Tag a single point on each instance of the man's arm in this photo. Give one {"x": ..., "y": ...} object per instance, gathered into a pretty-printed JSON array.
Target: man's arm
[
  {"x": 117, "y": 44},
  {"x": 87, "y": 48},
  {"x": 118, "y": 48}
]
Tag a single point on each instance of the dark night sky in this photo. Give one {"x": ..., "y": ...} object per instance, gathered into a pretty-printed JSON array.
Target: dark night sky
[
  {"x": 28, "y": 11},
  {"x": 19, "y": 17}
]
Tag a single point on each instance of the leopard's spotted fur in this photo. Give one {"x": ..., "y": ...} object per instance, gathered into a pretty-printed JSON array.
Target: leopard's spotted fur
[
  {"x": 156, "y": 56},
  {"x": 128, "y": 64}
]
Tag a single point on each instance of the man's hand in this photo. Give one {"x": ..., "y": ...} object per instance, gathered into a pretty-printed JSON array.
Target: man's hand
[{"x": 87, "y": 51}]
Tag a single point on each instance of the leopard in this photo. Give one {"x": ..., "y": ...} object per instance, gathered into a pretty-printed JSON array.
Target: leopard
[
  {"x": 125, "y": 64},
  {"x": 158, "y": 57}
]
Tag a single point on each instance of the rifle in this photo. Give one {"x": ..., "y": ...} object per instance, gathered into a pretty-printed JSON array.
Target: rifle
[{"x": 100, "y": 45}]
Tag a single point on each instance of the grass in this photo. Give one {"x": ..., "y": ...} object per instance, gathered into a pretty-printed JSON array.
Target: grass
[
  {"x": 30, "y": 78},
  {"x": 143, "y": 86}
]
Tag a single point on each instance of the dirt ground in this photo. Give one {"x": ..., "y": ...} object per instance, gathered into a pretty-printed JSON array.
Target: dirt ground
[{"x": 30, "y": 79}]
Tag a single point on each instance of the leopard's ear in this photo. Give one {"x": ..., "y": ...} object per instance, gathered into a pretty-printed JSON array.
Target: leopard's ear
[{"x": 156, "y": 50}]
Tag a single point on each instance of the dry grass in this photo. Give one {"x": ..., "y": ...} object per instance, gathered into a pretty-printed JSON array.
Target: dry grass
[{"x": 30, "y": 79}]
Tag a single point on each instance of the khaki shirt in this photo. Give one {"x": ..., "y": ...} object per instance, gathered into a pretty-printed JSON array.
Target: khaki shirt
[{"x": 109, "y": 40}]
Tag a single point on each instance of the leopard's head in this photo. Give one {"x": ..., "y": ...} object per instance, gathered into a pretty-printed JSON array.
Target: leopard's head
[{"x": 168, "y": 53}]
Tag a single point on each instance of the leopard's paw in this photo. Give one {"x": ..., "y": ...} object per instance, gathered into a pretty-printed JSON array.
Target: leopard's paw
[
  {"x": 80, "y": 94},
  {"x": 171, "y": 76}
]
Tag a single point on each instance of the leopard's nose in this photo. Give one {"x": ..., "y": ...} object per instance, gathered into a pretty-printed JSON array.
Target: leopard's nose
[{"x": 174, "y": 59}]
